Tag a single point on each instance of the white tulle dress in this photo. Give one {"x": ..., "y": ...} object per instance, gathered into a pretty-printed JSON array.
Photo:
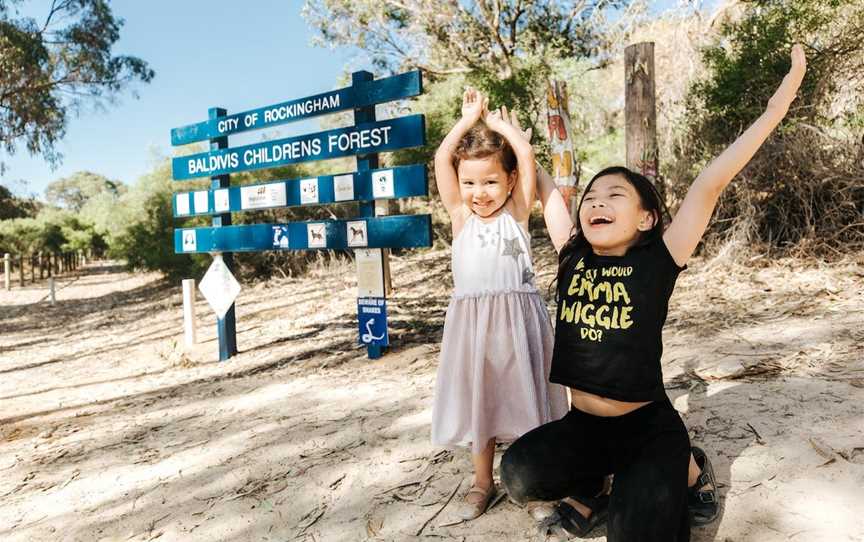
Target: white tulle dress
[{"x": 493, "y": 375}]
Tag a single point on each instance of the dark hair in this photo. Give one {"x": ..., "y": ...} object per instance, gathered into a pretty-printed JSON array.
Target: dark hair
[
  {"x": 649, "y": 199},
  {"x": 481, "y": 142}
]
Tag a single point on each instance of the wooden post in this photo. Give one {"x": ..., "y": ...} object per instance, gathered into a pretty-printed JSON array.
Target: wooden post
[
  {"x": 565, "y": 168},
  {"x": 33, "y": 268},
  {"x": 21, "y": 269},
  {"x": 51, "y": 296},
  {"x": 189, "y": 321},
  {"x": 640, "y": 113},
  {"x": 7, "y": 264}
]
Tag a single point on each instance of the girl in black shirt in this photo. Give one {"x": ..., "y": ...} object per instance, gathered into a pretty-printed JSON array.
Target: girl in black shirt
[{"x": 615, "y": 277}]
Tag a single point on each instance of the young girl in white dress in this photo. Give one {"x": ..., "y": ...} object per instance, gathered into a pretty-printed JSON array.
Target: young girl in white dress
[{"x": 493, "y": 377}]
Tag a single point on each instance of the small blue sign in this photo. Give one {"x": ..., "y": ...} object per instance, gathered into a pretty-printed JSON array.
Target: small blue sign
[
  {"x": 280, "y": 237},
  {"x": 372, "y": 314}
]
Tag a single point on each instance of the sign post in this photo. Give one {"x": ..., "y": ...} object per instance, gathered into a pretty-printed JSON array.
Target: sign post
[
  {"x": 226, "y": 328},
  {"x": 370, "y": 235},
  {"x": 366, "y": 162}
]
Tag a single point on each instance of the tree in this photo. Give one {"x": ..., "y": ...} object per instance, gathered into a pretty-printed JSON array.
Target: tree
[
  {"x": 51, "y": 68},
  {"x": 19, "y": 235},
  {"x": 505, "y": 47},
  {"x": 73, "y": 192},
  {"x": 14, "y": 207},
  {"x": 449, "y": 36}
]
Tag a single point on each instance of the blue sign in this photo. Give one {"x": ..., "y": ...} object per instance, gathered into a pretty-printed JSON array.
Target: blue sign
[
  {"x": 372, "y": 313},
  {"x": 359, "y": 95},
  {"x": 399, "y": 231},
  {"x": 364, "y": 140},
  {"x": 373, "y": 137},
  {"x": 367, "y": 185}
]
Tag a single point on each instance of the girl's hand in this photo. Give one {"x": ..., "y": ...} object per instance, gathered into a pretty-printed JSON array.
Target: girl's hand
[
  {"x": 473, "y": 105},
  {"x": 785, "y": 93},
  {"x": 513, "y": 120},
  {"x": 495, "y": 120},
  {"x": 498, "y": 119}
]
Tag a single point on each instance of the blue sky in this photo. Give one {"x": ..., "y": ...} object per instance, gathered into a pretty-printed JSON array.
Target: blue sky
[{"x": 236, "y": 55}]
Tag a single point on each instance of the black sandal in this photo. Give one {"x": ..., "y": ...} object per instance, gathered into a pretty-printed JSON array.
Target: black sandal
[
  {"x": 574, "y": 523},
  {"x": 702, "y": 503}
]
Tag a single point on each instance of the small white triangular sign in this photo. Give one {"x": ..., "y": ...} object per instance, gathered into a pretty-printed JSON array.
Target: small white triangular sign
[{"x": 219, "y": 286}]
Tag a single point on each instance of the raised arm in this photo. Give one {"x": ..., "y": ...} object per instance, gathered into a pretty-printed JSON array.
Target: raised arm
[
  {"x": 523, "y": 192},
  {"x": 555, "y": 212},
  {"x": 473, "y": 105},
  {"x": 689, "y": 224}
]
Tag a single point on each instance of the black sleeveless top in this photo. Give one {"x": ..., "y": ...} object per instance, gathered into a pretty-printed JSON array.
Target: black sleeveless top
[{"x": 611, "y": 311}]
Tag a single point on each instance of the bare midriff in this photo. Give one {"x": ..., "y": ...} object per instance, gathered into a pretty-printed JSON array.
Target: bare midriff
[{"x": 602, "y": 406}]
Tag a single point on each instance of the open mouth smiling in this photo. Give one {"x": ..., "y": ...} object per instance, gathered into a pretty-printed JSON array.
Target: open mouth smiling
[{"x": 600, "y": 220}]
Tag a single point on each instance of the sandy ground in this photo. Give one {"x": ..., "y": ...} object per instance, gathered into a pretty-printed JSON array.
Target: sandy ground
[{"x": 110, "y": 431}]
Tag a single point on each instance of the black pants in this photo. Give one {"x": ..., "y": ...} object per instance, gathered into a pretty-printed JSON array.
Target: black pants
[{"x": 647, "y": 450}]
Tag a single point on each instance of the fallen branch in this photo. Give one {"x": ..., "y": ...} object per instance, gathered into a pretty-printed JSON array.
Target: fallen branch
[
  {"x": 755, "y": 432},
  {"x": 450, "y": 498}
]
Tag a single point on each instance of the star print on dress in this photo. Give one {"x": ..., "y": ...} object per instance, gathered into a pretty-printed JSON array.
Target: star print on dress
[
  {"x": 527, "y": 276},
  {"x": 512, "y": 248},
  {"x": 487, "y": 237}
]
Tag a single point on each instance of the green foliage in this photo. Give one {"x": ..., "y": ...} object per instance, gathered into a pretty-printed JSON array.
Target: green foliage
[
  {"x": 15, "y": 207},
  {"x": 506, "y": 49},
  {"x": 746, "y": 69},
  {"x": 52, "y": 67},
  {"x": 141, "y": 231},
  {"x": 19, "y": 235},
  {"x": 802, "y": 191},
  {"x": 75, "y": 191}
]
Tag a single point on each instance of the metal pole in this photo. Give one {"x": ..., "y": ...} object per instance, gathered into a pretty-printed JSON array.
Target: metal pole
[
  {"x": 366, "y": 162},
  {"x": 189, "y": 321},
  {"x": 226, "y": 328}
]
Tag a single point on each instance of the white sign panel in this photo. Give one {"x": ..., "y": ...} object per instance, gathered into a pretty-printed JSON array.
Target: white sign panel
[
  {"x": 343, "y": 187},
  {"x": 370, "y": 272},
  {"x": 356, "y": 234},
  {"x": 201, "y": 205},
  {"x": 265, "y": 195},
  {"x": 219, "y": 287},
  {"x": 382, "y": 184},
  {"x": 308, "y": 191},
  {"x": 316, "y": 235},
  {"x": 182, "y": 204},
  {"x": 190, "y": 240},
  {"x": 220, "y": 201}
]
